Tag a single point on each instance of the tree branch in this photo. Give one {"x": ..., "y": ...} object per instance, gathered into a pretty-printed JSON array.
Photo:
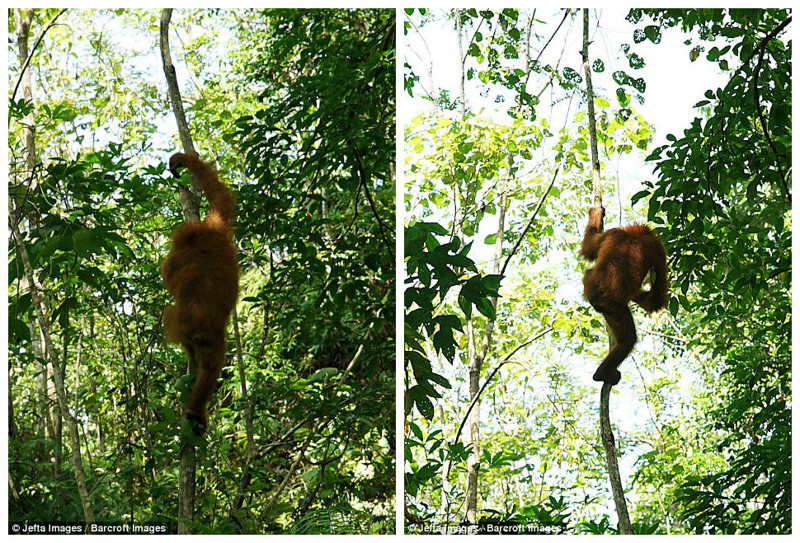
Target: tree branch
[
  {"x": 190, "y": 202},
  {"x": 605, "y": 421},
  {"x": 607, "y": 435},
  {"x": 596, "y": 187},
  {"x": 505, "y": 361},
  {"x": 172, "y": 83},
  {"x": 363, "y": 177},
  {"x": 33, "y": 49},
  {"x": 530, "y": 222},
  {"x": 191, "y": 208},
  {"x": 757, "y": 100}
]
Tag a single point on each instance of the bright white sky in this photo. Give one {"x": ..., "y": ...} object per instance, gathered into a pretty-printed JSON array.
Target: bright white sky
[{"x": 674, "y": 83}]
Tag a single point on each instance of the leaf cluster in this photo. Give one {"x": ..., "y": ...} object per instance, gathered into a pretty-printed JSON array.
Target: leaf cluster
[{"x": 723, "y": 199}]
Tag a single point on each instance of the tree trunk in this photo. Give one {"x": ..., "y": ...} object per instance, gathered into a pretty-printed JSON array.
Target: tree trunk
[
  {"x": 474, "y": 368},
  {"x": 188, "y": 473},
  {"x": 172, "y": 83},
  {"x": 190, "y": 203},
  {"x": 476, "y": 359},
  {"x": 473, "y": 362},
  {"x": 607, "y": 435},
  {"x": 605, "y": 421},
  {"x": 444, "y": 507},
  {"x": 462, "y": 63},
  {"x": 40, "y": 303},
  {"x": 596, "y": 186},
  {"x": 244, "y": 482},
  {"x": 22, "y": 23},
  {"x": 42, "y": 309}
]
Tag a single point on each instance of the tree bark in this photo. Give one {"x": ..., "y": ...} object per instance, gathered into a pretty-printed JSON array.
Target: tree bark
[
  {"x": 611, "y": 462},
  {"x": 476, "y": 360},
  {"x": 173, "y": 89},
  {"x": 596, "y": 186},
  {"x": 40, "y": 303},
  {"x": 474, "y": 363},
  {"x": 188, "y": 469},
  {"x": 474, "y": 369},
  {"x": 244, "y": 482},
  {"x": 190, "y": 203},
  {"x": 22, "y": 23},
  {"x": 42, "y": 309},
  {"x": 605, "y": 420},
  {"x": 462, "y": 60}
]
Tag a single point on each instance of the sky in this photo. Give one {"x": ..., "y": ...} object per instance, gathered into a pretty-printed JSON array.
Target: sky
[{"x": 674, "y": 83}]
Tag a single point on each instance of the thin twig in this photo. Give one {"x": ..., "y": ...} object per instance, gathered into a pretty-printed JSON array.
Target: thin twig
[
  {"x": 363, "y": 176},
  {"x": 757, "y": 99},
  {"x": 505, "y": 361},
  {"x": 566, "y": 14},
  {"x": 530, "y": 222},
  {"x": 33, "y": 49}
]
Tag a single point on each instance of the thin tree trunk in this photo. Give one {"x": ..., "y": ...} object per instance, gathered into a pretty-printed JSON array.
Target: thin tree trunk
[
  {"x": 474, "y": 369},
  {"x": 42, "y": 309},
  {"x": 190, "y": 203},
  {"x": 41, "y": 306},
  {"x": 22, "y": 23},
  {"x": 605, "y": 420},
  {"x": 462, "y": 62},
  {"x": 444, "y": 507},
  {"x": 78, "y": 356},
  {"x": 611, "y": 462},
  {"x": 475, "y": 357},
  {"x": 474, "y": 363},
  {"x": 496, "y": 262},
  {"x": 248, "y": 420},
  {"x": 172, "y": 83},
  {"x": 188, "y": 469},
  {"x": 596, "y": 186}
]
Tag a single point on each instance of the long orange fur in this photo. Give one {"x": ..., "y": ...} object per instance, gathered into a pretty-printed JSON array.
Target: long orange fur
[
  {"x": 202, "y": 274},
  {"x": 625, "y": 256}
]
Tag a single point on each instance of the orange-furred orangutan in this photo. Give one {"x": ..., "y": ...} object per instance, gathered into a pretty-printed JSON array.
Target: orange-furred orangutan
[
  {"x": 625, "y": 256},
  {"x": 202, "y": 274}
]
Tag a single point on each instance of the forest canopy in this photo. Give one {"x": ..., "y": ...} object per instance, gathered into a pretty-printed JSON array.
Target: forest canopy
[
  {"x": 302, "y": 434},
  {"x": 501, "y": 412}
]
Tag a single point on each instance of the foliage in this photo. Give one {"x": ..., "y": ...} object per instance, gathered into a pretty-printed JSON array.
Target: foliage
[
  {"x": 724, "y": 199},
  {"x": 324, "y": 202},
  {"x": 711, "y": 378},
  {"x": 469, "y": 165},
  {"x": 433, "y": 268},
  {"x": 312, "y": 164}
]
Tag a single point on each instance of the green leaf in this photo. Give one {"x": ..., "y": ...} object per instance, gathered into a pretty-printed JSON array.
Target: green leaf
[
  {"x": 485, "y": 306},
  {"x": 465, "y": 304}
]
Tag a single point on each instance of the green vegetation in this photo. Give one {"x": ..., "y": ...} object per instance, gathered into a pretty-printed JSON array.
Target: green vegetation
[
  {"x": 311, "y": 161},
  {"x": 501, "y": 412}
]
